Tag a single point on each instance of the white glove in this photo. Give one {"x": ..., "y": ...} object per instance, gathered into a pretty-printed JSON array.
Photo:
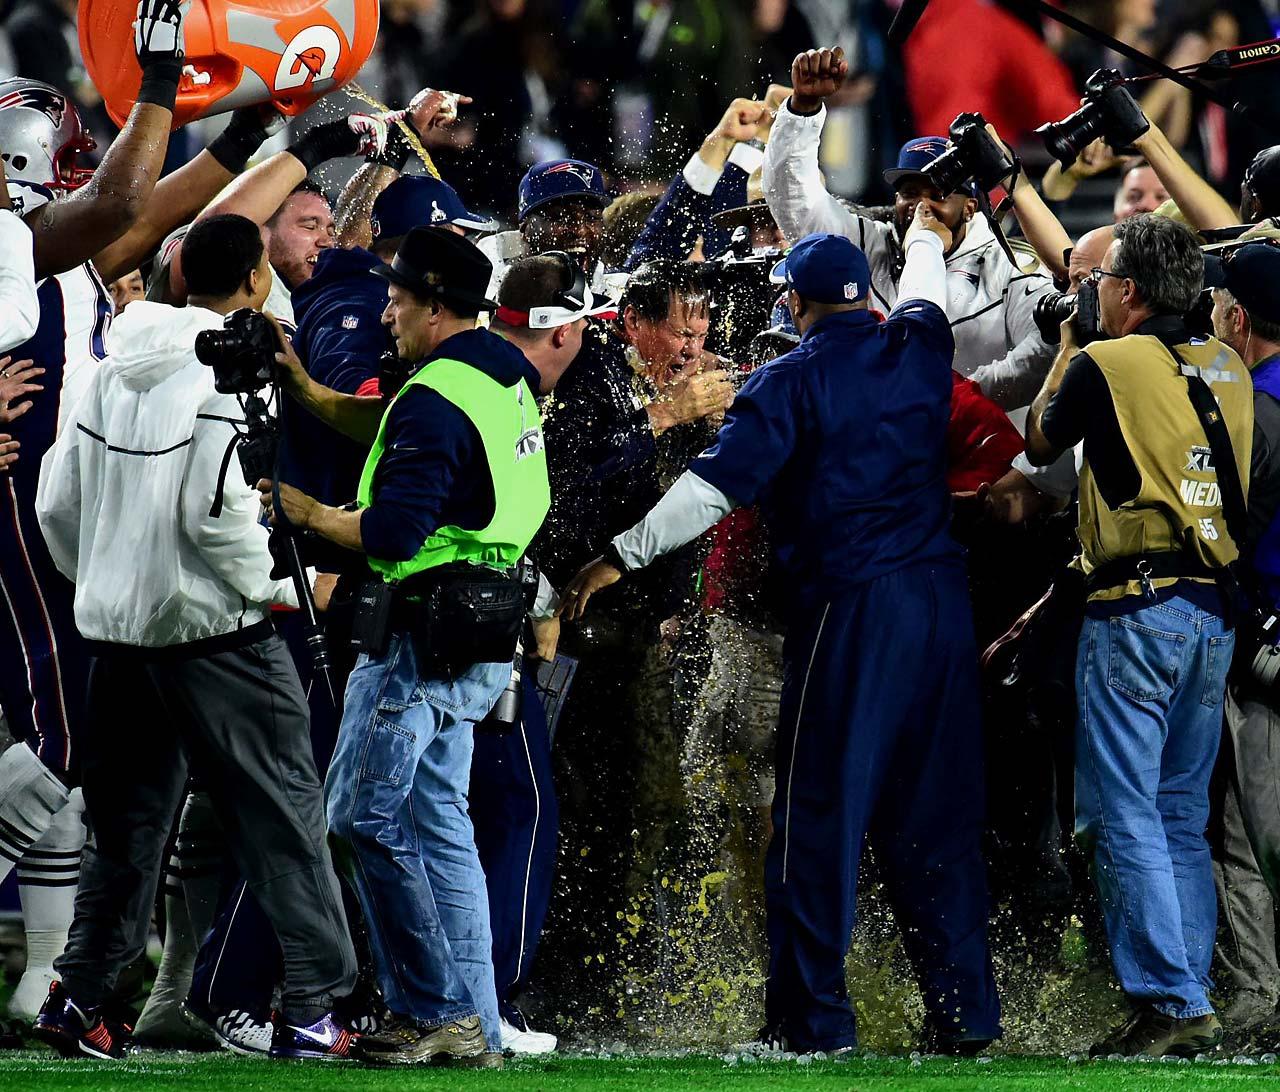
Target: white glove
[
  {"x": 157, "y": 31},
  {"x": 371, "y": 131}
]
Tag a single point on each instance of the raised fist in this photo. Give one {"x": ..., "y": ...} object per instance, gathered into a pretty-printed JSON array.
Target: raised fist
[
  {"x": 370, "y": 131},
  {"x": 816, "y": 75},
  {"x": 157, "y": 31},
  {"x": 742, "y": 120}
]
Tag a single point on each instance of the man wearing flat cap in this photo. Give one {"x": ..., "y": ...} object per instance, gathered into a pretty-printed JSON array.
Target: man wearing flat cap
[
  {"x": 1246, "y": 842},
  {"x": 453, "y": 490}
]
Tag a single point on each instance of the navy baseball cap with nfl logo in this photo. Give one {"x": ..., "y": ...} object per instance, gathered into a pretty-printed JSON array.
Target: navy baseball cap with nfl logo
[
  {"x": 553, "y": 179},
  {"x": 825, "y": 269}
]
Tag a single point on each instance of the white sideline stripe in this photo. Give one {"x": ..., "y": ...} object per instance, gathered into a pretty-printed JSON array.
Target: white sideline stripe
[{"x": 795, "y": 739}]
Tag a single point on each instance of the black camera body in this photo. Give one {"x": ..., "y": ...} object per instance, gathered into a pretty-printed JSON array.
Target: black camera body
[
  {"x": 974, "y": 156},
  {"x": 1109, "y": 111},
  {"x": 242, "y": 354},
  {"x": 1054, "y": 308}
]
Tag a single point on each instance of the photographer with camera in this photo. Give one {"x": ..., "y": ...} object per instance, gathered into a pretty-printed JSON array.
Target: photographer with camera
[
  {"x": 1246, "y": 828},
  {"x": 452, "y": 492},
  {"x": 1166, "y": 420},
  {"x": 141, "y": 507},
  {"x": 989, "y": 300}
]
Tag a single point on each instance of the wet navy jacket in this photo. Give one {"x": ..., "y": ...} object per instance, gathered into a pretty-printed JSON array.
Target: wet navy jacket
[
  {"x": 683, "y": 214},
  {"x": 843, "y": 444},
  {"x": 339, "y": 340}
]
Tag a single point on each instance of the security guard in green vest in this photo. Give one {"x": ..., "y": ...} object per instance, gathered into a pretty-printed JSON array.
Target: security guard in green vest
[
  {"x": 454, "y": 489},
  {"x": 1166, "y": 419}
]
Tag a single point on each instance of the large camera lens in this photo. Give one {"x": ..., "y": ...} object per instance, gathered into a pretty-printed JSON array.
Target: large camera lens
[
  {"x": 948, "y": 172},
  {"x": 1066, "y": 139},
  {"x": 213, "y": 346},
  {"x": 1051, "y": 311}
]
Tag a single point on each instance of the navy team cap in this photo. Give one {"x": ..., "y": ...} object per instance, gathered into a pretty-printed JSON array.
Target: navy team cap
[
  {"x": 553, "y": 179},
  {"x": 825, "y": 269},
  {"x": 421, "y": 201},
  {"x": 915, "y": 156},
  {"x": 1252, "y": 275}
]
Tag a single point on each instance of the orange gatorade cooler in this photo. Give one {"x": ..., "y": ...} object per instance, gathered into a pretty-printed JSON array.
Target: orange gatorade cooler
[{"x": 238, "y": 52}]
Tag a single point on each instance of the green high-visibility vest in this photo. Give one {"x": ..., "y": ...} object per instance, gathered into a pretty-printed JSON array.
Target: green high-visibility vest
[{"x": 510, "y": 427}]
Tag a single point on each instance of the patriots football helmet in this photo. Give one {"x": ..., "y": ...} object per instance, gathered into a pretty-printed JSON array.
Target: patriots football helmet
[{"x": 41, "y": 135}]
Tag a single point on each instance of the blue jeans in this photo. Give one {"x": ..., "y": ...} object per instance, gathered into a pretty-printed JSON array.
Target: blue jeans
[
  {"x": 396, "y": 797},
  {"x": 1150, "y": 684}
]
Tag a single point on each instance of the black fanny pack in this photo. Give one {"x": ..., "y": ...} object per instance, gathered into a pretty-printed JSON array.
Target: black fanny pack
[{"x": 457, "y": 615}]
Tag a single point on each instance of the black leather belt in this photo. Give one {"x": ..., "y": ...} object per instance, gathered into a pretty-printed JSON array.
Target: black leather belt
[{"x": 1147, "y": 568}]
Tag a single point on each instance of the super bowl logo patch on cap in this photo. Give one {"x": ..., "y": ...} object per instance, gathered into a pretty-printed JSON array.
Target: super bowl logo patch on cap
[
  {"x": 437, "y": 213},
  {"x": 851, "y": 290}
]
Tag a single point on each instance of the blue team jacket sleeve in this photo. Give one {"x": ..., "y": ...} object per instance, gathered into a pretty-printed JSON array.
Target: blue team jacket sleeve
[
  {"x": 429, "y": 447},
  {"x": 683, "y": 214},
  {"x": 340, "y": 346},
  {"x": 673, "y": 226},
  {"x": 758, "y": 435}
]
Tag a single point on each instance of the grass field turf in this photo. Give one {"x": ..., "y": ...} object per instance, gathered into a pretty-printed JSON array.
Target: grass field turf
[{"x": 33, "y": 1071}]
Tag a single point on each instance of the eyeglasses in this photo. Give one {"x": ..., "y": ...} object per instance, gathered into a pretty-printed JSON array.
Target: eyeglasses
[{"x": 1097, "y": 273}]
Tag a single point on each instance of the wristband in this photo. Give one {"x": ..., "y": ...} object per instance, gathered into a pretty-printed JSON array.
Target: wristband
[
  {"x": 612, "y": 557},
  {"x": 398, "y": 150},
  {"x": 747, "y": 155},
  {"x": 235, "y": 145},
  {"x": 332, "y": 140},
  {"x": 160, "y": 82}
]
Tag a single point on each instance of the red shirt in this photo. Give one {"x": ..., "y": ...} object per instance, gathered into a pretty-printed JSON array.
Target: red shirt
[{"x": 968, "y": 55}]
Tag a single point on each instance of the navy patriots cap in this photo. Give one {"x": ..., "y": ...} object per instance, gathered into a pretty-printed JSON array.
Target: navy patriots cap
[
  {"x": 915, "y": 156},
  {"x": 556, "y": 178},
  {"x": 1251, "y": 274}
]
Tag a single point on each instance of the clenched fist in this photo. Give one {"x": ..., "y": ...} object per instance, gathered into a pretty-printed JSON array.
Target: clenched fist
[
  {"x": 742, "y": 121},
  {"x": 701, "y": 396},
  {"x": 816, "y": 75}
]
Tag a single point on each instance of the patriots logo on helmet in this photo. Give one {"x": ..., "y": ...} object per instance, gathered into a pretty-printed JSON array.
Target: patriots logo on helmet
[
  {"x": 587, "y": 174},
  {"x": 49, "y": 103}
]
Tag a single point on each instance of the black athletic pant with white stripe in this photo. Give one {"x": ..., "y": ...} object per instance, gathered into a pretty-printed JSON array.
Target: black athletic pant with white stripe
[
  {"x": 235, "y": 710},
  {"x": 44, "y": 661}
]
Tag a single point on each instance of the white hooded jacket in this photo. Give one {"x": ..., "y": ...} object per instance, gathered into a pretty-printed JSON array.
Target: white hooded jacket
[
  {"x": 142, "y": 501},
  {"x": 989, "y": 302}
]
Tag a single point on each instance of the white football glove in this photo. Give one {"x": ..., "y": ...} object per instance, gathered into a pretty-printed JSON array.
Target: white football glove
[{"x": 157, "y": 31}]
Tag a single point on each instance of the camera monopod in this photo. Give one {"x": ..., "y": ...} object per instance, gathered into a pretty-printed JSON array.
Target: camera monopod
[{"x": 259, "y": 450}]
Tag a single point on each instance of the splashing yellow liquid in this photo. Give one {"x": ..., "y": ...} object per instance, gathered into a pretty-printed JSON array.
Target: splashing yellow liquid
[{"x": 409, "y": 134}]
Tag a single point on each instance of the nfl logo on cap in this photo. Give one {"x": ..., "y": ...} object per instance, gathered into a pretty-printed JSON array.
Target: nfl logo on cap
[{"x": 851, "y": 290}]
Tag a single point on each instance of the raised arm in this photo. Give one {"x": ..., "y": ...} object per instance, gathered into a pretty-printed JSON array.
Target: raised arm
[
  {"x": 791, "y": 180},
  {"x": 1198, "y": 201},
  {"x": 180, "y": 196},
  {"x": 73, "y": 230}
]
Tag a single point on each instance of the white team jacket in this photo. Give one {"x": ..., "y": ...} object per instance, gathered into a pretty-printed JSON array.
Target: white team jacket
[
  {"x": 142, "y": 500},
  {"x": 19, "y": 308},
  {"x": 989, "y": 302}
]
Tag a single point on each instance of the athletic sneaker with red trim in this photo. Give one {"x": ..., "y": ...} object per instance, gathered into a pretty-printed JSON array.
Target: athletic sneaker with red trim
[
  {"x": 325, "y": 1040},
  {"x": 73, "y": 1031}
]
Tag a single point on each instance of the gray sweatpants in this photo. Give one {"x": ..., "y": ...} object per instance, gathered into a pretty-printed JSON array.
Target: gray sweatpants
[
  {"x": 1247, "y": 858},
  {"x": 240, "y": 718}
]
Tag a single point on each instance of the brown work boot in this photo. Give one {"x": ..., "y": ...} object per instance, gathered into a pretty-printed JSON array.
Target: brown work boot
[
  {"x": 459, "y": 1042},
  {"x": 1151, "y": 1033}
]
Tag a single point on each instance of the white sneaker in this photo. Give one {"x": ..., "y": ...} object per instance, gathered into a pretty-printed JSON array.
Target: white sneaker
[
  {"x": 31, "y": 993},
  {"x": 237, "y": 1030},
  {"x": 515, "y": 1041}
]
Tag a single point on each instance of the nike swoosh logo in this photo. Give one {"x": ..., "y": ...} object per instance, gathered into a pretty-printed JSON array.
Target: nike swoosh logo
[
  {"x": 328, "y": 1039},
  {"x": 1029, "y": 289}
]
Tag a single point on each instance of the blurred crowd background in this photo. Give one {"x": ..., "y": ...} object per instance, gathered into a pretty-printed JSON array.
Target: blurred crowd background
[{"x": 633, "y": 85}]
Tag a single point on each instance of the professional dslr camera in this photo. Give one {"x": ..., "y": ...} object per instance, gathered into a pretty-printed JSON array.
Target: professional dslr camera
[
  {"x": 1109, "y": 111},
  {"x": 974, "y": 156},
  {"x": 1054, "y": 308},
  {"x": 242, "y": 354}
]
